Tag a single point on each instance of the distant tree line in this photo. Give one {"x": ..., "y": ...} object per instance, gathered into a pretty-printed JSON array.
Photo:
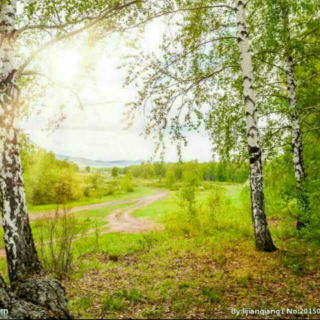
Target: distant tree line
[{"x": 210, "y": 171}]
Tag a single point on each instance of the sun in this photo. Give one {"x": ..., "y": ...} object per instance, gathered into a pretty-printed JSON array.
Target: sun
[{"x": 64, "y": 65}]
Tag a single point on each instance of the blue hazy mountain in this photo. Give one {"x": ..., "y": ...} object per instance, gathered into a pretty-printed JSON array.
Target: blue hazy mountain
[{"x": 82, "y": 162}]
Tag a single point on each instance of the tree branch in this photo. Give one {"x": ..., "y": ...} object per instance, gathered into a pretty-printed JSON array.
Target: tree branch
[
  {"x": 35, "y": 73},
  {"x": 314, "y": 75},
  {"x": 71, "y": 34},
  {"x": 56, "y": 11},
  {"x": 313, "y": 129},
  {"x": 269, "y": 63},
  {"x": 180, "y": 10},
  {"x": 57, "y": 26}
]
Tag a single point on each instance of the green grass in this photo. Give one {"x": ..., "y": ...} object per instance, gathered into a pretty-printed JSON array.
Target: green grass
[
  {"x": 176, "y": 275},
  {"x": 184, "y": 275},
  {"x": 159, "y": 209},
  {"x": 88, "y": 219},
  {"x": 114, "y": 244},
  {"x": 137, "y": 193},
  {"x": 101, "y": 213}
]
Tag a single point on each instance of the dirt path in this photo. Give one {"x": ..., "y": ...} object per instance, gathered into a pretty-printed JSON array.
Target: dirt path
[
  {"x": 122, "y": 221},
  {"x": 118, "y": 221},
  {"x": 35, "y": 216}
]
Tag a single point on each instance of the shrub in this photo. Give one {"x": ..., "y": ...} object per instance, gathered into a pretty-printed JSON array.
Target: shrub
[
  {"x": 170, "y": 179},
  {"x": 187, "y": 194},
  {"x": 97, "y": 186},
  {"x": 49, "y": 180},
  {"x": 127, "y": 182},
  {"x": 195, "y": 220},
  {"x": 114, "y": 172},
  {"x": 216, "y": 198},
  {"x": 57, "y": 232}
]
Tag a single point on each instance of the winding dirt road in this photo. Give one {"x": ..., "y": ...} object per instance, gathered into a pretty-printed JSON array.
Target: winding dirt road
[
  {"x": 120, "y": 220},
  {"x": 38, "y": 215}
]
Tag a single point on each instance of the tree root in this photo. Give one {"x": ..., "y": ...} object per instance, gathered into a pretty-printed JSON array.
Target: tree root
[
  {"x": 33, "y": 299},
  {"x": 18, "y": 308},
  {"x": 48, "y": 294}
]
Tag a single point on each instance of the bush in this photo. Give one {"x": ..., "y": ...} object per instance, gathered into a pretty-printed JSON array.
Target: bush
[
  {"x": 49, "y": 180},
  {"x": 170, "y": 179},
  {"x": 97, "y": 186},
  {"x": 127, "y": 182},
  {"x": 111, "y": 187},
  {"x": 114, "y": 172},
  {"x": 57, "y": 232},
  {"x": 195, "y": 220},
  {"x": 216, "y": 198},
  {"x": 187, "y": 194}
]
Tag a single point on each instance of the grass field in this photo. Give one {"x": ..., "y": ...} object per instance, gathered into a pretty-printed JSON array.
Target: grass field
[
  {"x": 177, "y": 274},
  {"x": 163, "y": 275}
]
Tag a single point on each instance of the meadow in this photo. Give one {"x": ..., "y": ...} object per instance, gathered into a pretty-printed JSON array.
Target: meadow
[{"x": 202, "y": 263}]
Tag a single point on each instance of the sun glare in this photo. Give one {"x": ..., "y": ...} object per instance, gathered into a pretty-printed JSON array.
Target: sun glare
[{"x": 65, "y": 65}]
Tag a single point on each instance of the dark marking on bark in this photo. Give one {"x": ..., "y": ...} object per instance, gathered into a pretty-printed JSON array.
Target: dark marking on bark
[{"x": 244, "y": 33}]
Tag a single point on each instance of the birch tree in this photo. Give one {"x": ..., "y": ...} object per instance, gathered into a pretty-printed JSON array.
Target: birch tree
[
  {"x": 262, "y": 233},
  {"x": 288, "y": 41},
  {"x": 181, "y": 86},
  {"x": 49, "y": 22}
]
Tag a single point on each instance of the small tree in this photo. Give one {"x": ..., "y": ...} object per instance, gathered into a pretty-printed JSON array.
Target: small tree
[
  {"x": 170, "y": 178},
  {"x": 188, "y": 192},
  {"x": 114, "y": 172},
  {"x": 127, "y": 183},
  {"x": 160, "y": 170}
]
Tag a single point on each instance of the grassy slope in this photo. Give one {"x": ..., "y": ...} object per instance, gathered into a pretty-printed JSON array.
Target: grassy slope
[{"x": 167, "y": 276}]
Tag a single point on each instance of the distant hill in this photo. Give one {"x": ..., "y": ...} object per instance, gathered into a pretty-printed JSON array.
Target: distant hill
[{"x": 83, "y": 162}]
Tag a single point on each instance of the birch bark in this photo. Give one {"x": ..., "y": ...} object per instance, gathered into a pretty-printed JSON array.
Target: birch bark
[
  {"x": 21, "y": 254},
  {"x": 262, "y": 234},
  {"x": 297, "y": 146},
  {"x": 43, "y": 295}
]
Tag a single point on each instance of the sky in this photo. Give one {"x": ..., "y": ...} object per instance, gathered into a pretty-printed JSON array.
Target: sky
[{"x": 97, "y": 132}]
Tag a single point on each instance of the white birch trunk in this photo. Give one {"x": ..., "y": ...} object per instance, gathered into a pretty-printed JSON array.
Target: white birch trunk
[
  {"x": 21, "y": 254},
  {"x": 262, "y": 234},
  {"x": 297, "y": 146},
  {"x": 38, "y": 296}
]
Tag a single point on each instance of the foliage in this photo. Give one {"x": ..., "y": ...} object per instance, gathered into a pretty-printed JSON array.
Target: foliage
[
  {"x": 94, "y": 183},
  {"x": 187, "y": 193},
  {"x": 194, "y": 219},
  {"x": 127, "y": 182},
  {"x": 49, "y": 180},
  {"x": 170, "y": 178},
  {"x": 114, "y": 172},
  {"x": 281, "y": 194},
  {"x": 210, "y": 171}
]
